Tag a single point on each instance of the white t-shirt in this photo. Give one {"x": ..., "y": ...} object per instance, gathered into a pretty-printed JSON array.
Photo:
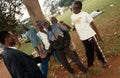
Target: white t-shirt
[
  {"x": 82, "y": 22},
  {"x": 44, "y": 39}
]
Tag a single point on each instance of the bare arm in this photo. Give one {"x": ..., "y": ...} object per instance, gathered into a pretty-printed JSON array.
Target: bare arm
[
  {"x": 96, "y": 30},
  {"x": 67, "y": 26}
]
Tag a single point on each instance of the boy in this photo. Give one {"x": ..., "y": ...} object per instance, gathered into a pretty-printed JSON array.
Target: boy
[
  {"x": 31, "y": 35},
  {"x": 87, "y": 32},
  {"x": 55, "y": 31}
]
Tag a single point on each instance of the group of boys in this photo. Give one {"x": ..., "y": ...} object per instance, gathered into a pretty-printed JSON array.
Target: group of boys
[{"x": 21, "y": 65}]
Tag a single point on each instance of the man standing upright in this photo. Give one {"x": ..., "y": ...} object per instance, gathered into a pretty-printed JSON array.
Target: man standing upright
[
  {"x": 88, "y": 33},
  {"x": 31, "y": 35}
]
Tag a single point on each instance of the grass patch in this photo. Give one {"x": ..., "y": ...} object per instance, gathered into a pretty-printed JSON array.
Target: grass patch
[
  {"x": 27, "y": 48},
  {"x": 96, "y": 71}
]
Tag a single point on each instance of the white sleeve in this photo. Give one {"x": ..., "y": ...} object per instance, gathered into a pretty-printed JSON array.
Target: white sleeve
[
  {"x": 38, "y": 34},
  {"x": 89, "y": 18}
]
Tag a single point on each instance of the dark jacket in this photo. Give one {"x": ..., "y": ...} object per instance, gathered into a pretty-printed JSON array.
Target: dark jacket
[{"x": 20, "y": 65}]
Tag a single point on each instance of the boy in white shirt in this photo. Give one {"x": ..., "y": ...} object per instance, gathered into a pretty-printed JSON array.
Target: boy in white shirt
[{"x": 87, "y": 32}]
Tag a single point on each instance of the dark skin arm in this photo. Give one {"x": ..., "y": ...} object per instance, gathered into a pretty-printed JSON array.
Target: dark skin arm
[
  {"x": 67, "y": 26},
  {"x": 73, "y": 28},
  {"x": 96, "y": 30}
]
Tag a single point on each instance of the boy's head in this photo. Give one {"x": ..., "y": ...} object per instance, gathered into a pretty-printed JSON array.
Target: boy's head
[
  {"x": 77, "y": 6},
  {"x": 39, "y": 25},
  {"x": 46, "y": 24},
  {"x": 54, "y": 20},
  {"x": 7, "y": 39}
]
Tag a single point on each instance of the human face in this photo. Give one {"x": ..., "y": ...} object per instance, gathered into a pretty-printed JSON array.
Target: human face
[
  {"x": 39, "y": 26},
  {"x": 76, "y": 9},
  {"x": 54, "y": 20},
  {"x": 47, "y": 26},
  {"x": 10, "y": 40}
]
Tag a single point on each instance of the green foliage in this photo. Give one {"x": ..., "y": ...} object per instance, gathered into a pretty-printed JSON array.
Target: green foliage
[
  {"x": 96, "y": 70},
  {"x": 8, "y": 10},
  {"x": 27, "y": 48},
  {"x": 51, "y": 5}
]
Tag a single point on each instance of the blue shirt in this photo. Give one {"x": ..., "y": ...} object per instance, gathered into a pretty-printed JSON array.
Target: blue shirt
[
  {"x": 56, "y": 31},
  {"x": 31, "y": 35}
]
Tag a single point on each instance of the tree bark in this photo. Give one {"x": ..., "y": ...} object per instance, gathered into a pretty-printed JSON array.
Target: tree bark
[{"x": 34, "y": 10}]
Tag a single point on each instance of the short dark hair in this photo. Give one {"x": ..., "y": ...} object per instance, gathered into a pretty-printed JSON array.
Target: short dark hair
[
  {"x": 3, "y": 35},
  {"x": 79, "y": 3}
]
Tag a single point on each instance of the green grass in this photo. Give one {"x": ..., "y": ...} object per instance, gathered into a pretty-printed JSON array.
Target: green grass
[
  {"x": 27, "y": 48},
  {"x": 65, "y": 17}
]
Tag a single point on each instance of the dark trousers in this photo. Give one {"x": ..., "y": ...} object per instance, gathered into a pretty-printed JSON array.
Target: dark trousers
[
  {"x": 91, "y": 45},
  {"x": 62, "y": 55}
]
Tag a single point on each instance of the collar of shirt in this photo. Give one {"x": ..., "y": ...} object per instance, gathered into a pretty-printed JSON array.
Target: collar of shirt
[{"x": 13, "y": 47}]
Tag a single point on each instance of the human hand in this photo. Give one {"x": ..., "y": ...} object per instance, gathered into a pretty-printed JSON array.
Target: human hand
[
  {"x": 99, "y": 38},
  {"x": 43, "y": 55}
]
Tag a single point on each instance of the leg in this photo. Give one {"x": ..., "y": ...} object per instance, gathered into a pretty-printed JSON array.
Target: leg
[
  {"x": 39, "y": 48},
  {"x": 89, "y": 51},
  {"x": 56, "y": 56},
  {"x": 99, "y": 51},
  {"x": 44, "y": 65},
  {"x": 64, "y": 62},
  {"x": 75, "y": 59}
]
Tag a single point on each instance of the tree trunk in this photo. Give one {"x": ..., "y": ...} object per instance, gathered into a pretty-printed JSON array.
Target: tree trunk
[{"x": 34, "y": 10}]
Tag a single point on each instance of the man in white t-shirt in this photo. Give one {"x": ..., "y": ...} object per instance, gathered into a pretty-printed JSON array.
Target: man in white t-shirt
[{"x": 87, "y": 31}]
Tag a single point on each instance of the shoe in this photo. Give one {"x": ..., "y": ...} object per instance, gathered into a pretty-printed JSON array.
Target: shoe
[
  {"x": 105, "y": 65},
  {"x": 72, "y": 75}
]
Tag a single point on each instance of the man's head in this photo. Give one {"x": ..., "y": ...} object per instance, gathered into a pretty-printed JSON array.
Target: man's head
[
  {"x": 77, "y": 6},
  {"x": 39, "y": 25},
  {"x": 46, "y": 24},
  {"x": 54, "y": 20},
  {"x": 6, "y": 39}
]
